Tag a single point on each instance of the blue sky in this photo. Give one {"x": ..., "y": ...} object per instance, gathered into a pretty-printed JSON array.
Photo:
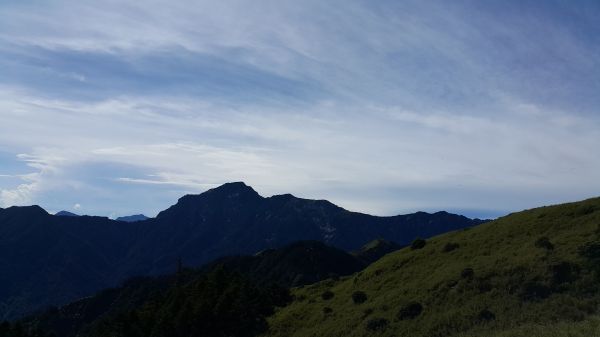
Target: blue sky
[{"x": 385, "y": 107}]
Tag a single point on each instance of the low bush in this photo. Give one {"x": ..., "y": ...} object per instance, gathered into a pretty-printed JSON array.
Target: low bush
[
  {"x": 467, "y": 273},
  {"x": 327, "y": 295},
  {"x": 544, "y": 243},
  {"x": 531, "y": 291},
  {"x": 359, "y": 297},
  {"x": 410, "y": 311},
  {"x": 584, "y": 210},
  {"x": 486, "y": 315},
  {"x": 564, "y": 272},
  {"x": 367, "y": 312},
  {"x": 377, "y": 324},
  {"x": 450, "y": 246},
  {"x": 418, "y": 244},
  {"x": 590, "y": 250}
]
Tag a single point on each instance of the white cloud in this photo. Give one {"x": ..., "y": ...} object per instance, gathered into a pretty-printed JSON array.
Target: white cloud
[{"x": 21, "y": 195}]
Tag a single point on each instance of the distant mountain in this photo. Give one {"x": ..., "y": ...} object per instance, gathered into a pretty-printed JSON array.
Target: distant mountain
[
  {"x": 65, "y": 213},
  {"x": 132, "y": 218},
  {"x": 47, "y": 259}
]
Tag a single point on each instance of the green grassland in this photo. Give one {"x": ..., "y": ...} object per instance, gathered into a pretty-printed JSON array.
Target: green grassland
[{"x": 532, "y": 273}]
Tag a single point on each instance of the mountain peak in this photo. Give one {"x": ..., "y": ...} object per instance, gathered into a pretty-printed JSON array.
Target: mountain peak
[
  {"x": 27, "y": 210},
  {"x": 235, "y": 193},
  {"x": 237, "y": 186},
  {"x": 232, "y": 191}
]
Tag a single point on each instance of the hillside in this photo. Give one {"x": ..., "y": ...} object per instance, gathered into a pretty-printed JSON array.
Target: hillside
[
  {"x": 51, "y": 260},
  {"x": 533, "y": 273},
  {"x": 297, "y": 264}
]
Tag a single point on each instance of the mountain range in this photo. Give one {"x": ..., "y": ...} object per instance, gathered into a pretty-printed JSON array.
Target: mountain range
[
  {"x": 531, "y": 273},
  {"x": 51, "y": 260}
]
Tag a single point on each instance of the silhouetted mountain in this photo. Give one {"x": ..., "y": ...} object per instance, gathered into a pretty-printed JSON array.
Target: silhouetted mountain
[
  {"x": 133, "y": 218},
  {"x": 47, "y": 259},
  {"x": 65, "y": 213},
  {"x": 233, "y": 218}
]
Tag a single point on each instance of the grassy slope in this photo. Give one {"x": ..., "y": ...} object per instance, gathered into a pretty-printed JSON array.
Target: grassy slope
[{"x": 514, "y": 279}]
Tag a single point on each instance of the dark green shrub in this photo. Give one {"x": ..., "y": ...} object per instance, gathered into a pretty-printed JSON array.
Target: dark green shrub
[
  {"x": 484, "y": 286},
  {"x": 327, "y": 295},
  {"x": 585, "y": 210},
  {"x": 531, "y": 291},
  {"x": 410, "y": 311},
  {"x": 418, "y": 243},
  {"x": 359, "y": 297},
  {"x": 377, "y": 324},
  {"x": 450, "y": 246},
  {"x": 590, "y": 250},
  {"x": 544, "y": 243},
  {"x": 327, "y": 310},
  {"x": 451, "y": 283},
  {"x": 367, "y": 313},
  {"x": 485, "y": 315},
  {"x": 564, "y": 272},
  {"x": 467, "y": 273}
]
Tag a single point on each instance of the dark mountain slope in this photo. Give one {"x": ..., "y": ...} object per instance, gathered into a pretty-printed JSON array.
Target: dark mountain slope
[
  {"x": 47, "y": 259},
  {"x": 297, "y": 264}
]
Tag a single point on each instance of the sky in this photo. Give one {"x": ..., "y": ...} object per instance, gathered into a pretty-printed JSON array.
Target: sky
[{"x": 386, "y": 107}]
